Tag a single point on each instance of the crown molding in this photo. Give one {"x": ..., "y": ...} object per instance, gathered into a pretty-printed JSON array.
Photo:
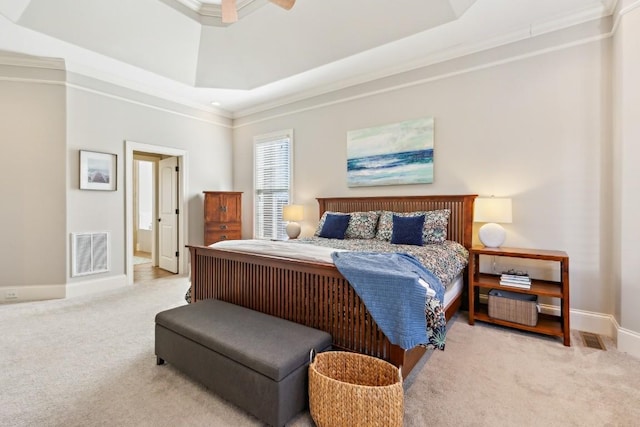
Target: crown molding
[
  {"x": 272, "y": 113},
  {"x": 213, "y": 115},
  {"x": 606, "y": 8},
  {"x": 584, "y": 16},
  {"x": 625, "y": 6},
  {"x": 19, "y": 60}
]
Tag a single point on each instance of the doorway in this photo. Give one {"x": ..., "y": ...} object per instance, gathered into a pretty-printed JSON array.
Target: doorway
[
  {"x": 156, "y": 210},
  {"x": 144, "y": 209}
]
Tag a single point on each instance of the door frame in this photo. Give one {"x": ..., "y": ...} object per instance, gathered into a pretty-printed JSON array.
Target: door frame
[{"x": 183, "y": 185}]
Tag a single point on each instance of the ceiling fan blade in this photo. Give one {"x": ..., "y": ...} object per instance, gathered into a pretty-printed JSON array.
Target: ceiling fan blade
[
  {"x": 285, "y": 4},
  {"x": 229, "y": 11}
]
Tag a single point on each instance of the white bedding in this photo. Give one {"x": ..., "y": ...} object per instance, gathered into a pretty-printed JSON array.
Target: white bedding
[
  {"x": 286, "y": 249},
  {"x": 453, "y": 289},
  {"x": 307, "y": 252}
]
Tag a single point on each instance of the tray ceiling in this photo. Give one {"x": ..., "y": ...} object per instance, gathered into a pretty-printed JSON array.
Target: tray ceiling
[{"x": 270, "y": 54}]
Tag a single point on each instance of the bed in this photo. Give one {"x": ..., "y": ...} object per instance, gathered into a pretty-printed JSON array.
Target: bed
[{"x": 315, "y": 293}]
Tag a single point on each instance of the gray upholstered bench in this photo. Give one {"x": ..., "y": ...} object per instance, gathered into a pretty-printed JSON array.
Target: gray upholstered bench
[{"x": 256, "y": 361}]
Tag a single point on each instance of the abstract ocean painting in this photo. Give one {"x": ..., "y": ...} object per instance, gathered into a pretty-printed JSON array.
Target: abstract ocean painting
[{"x": 399, "y": 153}]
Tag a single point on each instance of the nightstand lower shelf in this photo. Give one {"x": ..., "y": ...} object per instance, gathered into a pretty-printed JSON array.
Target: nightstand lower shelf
[{"x": 547, "y": 324}]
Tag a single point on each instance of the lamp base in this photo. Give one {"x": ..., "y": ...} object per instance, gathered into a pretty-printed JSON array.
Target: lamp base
[
  {"x": 492, "y": 235},
  {"x": 293, "y": 230}
]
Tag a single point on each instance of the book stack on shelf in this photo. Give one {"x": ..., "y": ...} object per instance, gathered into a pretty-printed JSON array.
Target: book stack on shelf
[{"x": 515, "y": 279}]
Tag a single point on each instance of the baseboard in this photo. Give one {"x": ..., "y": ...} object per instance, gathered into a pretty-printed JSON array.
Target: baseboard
[
  {"x": 89, "y": 287},
  {"x": 588, "y": 321},
  {"x": 597, "y": 323},
  {"x": 13, "y": 294},
  {"x": 629, "y": 342}
]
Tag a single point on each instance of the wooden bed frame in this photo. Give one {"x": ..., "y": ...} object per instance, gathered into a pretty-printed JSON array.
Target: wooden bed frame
[{"x": 316, "y": 294}]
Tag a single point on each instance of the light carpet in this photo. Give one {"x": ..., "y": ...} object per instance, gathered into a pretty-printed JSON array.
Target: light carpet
[{"x": 89, "y": 361}]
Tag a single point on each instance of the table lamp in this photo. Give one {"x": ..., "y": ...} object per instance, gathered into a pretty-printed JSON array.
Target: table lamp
[
  {"x": 293, "y": 213},
  {"x": 492, "y": 211}
]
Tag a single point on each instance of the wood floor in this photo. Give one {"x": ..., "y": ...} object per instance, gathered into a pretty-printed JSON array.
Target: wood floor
[{"x": 145, "y": 272}]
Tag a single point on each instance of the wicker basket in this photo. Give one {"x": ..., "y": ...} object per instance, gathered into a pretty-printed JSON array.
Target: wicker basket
[
  {"x": 513, "y": 307},
  {"x": 351, "y": 389}
]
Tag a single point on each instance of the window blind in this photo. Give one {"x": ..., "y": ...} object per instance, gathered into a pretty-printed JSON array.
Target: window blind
[{"x": 272, "y": 171}]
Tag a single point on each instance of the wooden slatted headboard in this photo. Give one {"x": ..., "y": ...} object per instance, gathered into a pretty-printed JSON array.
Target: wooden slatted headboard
[{"x": 460, "y": 228}]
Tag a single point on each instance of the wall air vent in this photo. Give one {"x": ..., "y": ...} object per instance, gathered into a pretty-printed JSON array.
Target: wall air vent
[{"x": 89, "y": 253}]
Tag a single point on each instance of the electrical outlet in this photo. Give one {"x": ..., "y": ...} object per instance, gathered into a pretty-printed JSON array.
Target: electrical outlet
[{"x": 11, "y": 294}]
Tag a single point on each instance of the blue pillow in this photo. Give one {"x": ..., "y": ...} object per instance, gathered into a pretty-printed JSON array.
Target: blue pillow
[
  {"x": 335, "y": 226},
  {"x": 407, "y": 230}
]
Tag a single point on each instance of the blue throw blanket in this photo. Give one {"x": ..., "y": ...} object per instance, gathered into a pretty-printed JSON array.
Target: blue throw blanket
[{"x": 388, "y": 285}]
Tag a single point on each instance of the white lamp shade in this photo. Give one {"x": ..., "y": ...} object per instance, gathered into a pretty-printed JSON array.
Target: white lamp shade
[
  {"x": 492, "y": 209},
  {"x": 292, "y": 213}
]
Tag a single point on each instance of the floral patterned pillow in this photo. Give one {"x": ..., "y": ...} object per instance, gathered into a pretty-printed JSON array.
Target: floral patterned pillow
[
  {"x": 362, "y": 225},
  {"x": 435, "y": 225}
]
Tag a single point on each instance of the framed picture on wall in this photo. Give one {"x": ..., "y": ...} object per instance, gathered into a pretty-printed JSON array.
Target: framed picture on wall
[
  {"x": 398, "y": 153},
  {"x": 98, "y": 171}
]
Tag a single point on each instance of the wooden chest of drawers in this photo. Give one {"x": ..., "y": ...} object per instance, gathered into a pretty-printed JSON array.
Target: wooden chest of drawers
[{"x": 222, "y": 216}]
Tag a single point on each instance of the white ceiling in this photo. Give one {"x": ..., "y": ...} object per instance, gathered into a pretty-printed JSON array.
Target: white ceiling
[{"x": 270, "y": 56}]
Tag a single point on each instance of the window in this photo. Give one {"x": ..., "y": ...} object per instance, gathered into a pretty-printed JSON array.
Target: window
[{"x": 272, "y": 172}]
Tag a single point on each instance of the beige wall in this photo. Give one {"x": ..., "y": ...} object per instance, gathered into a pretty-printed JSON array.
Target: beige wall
[
  {"x": 102, "y": 123},
  {"x": 32, "y": 181},
  {"x": 50, "y": 116},
  {"x": 532, "y": 128}
]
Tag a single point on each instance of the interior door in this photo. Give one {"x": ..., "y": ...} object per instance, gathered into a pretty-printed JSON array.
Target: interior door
[{"x": 168, "y": 214}]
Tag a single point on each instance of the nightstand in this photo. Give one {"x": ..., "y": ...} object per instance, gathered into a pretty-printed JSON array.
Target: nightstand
[{"x": 547, "y": 324}]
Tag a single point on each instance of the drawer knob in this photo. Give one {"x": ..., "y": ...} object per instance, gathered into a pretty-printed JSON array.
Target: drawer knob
[{"x": 223, "y": 227}]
